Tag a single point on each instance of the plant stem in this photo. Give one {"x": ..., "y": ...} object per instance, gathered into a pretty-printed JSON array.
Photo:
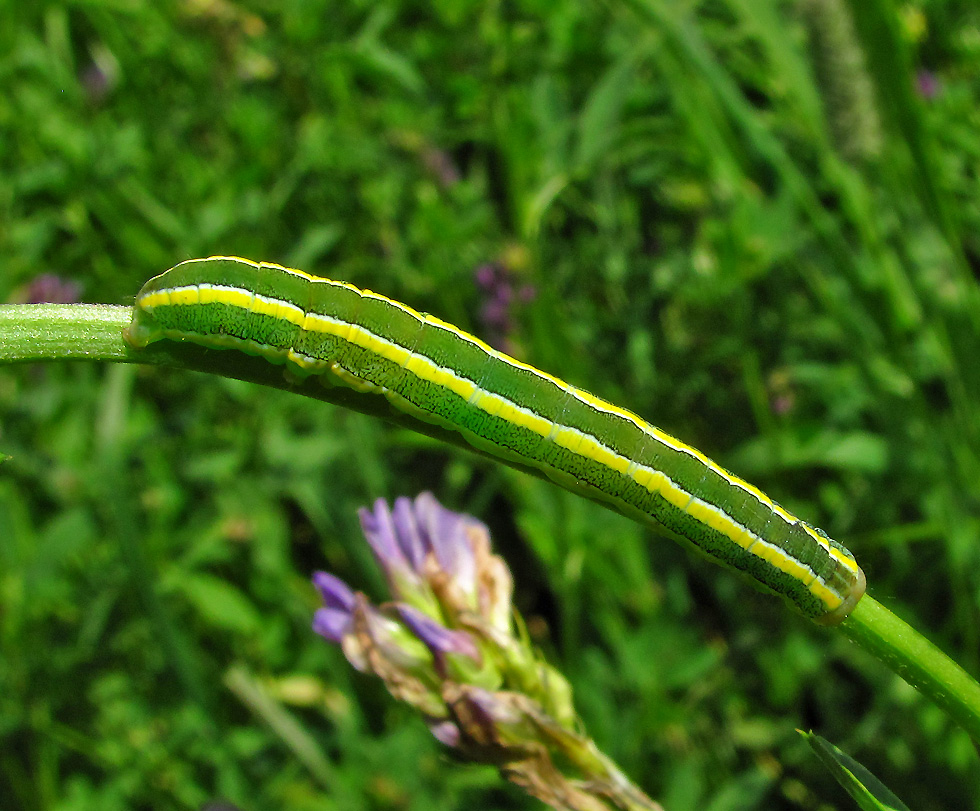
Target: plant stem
[
  {"x": 917, "y": 661},
  {"x": 63, "y": 331}
]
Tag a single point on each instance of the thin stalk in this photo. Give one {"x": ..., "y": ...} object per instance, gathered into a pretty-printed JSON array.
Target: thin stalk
[{"x": 917, "y": 661}]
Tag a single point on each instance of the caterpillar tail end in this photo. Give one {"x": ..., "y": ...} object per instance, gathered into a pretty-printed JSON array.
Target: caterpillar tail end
[
  {"x": 136, "y": 336},
  {"x": 142, "y": 330},
  {"x": 838, "y": 615}
]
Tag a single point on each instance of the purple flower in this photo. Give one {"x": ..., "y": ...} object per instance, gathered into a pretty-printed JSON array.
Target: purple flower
[
  {"x": 495, "y": 315},
  {"x": 527, "y": 293},
  {"x": 450, "y": 593},
  {"x": 439, "y": 561},
  {"x": 928, "y": 85},
  {"x": 447, "y": 646},
  {"x": 101, "y": 75},
  {"x": 446, "y": 732},
  {"x": 335, "y": 618},
  {"x": 50, "y": 288},
  {"x": 442, "y": 642},
  {"x": 486, "y": 275},
  {"x": 446, "y": 535},
  {"x": 488, "y": 717},
  {"x": 441, "y": 165},
  {"x": 396, "y": 545},
  {"x": 498, "y": 281}
]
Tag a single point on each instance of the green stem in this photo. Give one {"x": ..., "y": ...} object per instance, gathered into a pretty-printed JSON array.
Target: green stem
[
  {"x": 63, "y": 331},
  {"x": 917, "y": 661},
  {"x": 35, "y": 332}
]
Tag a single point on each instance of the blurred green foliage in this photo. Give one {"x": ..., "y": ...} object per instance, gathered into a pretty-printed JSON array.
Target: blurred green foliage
[{"x": 757, "y": 223}]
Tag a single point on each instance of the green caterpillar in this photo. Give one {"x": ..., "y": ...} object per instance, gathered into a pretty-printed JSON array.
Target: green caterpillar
[{"x": 434, "y": 372}]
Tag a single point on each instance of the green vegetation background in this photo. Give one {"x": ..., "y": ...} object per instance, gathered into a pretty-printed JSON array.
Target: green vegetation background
[{"x": 754, "y": 222}]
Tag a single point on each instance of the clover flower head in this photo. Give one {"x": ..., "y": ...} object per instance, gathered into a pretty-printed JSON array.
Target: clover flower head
[
  {"x": 446, "y": 644},
  {"x": 439, "y": 561}
]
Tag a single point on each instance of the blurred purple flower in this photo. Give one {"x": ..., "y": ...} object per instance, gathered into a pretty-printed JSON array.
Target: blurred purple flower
[
  {"x": 527, "y": 293},
  {"x": 782, "y": 404},
  {"x": 486, "y": 275},
  {"x": 397, "y": 547},
  {"x": 335, "y": 618},
  {"x": 498, "y": 281},
  {"x": 928, "y": 85},
  {"x": 446, "y": 732},
  {"x": 495, "y": 315},
  {"x": 96, "y": 83},
  {"x": 101, "y": 75},
  {"x": 440, "y": 164},
  {"x": 50, "y": 288}
]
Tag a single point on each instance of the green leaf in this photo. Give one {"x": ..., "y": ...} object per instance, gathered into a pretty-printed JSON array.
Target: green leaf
[
  {"x": 869, "y": 792},
  {"x": 220, "y": 604},
  {"x": 859, "y": 451},
  {"x": 598, "y": 126}
]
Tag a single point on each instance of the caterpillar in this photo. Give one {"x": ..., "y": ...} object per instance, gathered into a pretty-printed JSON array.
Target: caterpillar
[{"x": 433, "y": 372}]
